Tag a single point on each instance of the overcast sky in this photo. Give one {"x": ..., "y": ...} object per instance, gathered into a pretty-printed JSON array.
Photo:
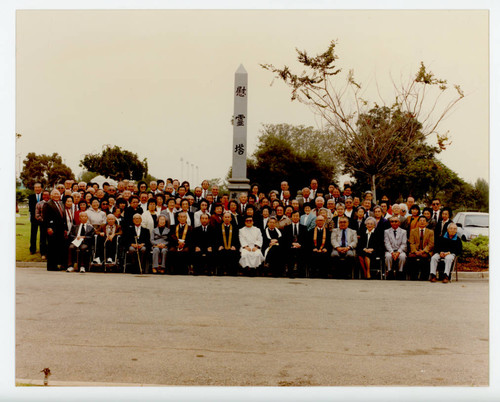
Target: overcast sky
[{"x": 160, "y": 82}]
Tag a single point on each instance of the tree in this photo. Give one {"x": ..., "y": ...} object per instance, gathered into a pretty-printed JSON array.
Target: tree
[
  {"x": 116, "y": 163},
  {"x": 45, "y": 169},
  {"x": 376, "y": 139},
  {"x": 481, "y": 195},
  {"x": 425, "y": 179},
  {"x": 291, "y": 153},
  {"x": 87, "y": 176}
]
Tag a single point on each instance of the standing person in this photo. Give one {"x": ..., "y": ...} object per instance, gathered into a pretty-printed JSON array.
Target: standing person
[
  {"x": 436, "y": 209},
  {"x": 306, "y": 218},
  {"x": 350, "y": 211},
  {"x": 170, "y": 212},
  {"x": 314, "y": 188},
  {"x": 43, "y": 229},
  {"x": 54, "y": 222},
  {"x": 442, "y": 225},
  {"x": 149, "y": 217},
  {"x": 34, "y": 199},
  {"x": 412, "y": 219},
  {"x": 203, "y": 209},
  {"x": 95, "y": 215}
]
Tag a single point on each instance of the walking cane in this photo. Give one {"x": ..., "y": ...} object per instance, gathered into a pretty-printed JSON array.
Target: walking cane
[
  {"x": 138, "y": 255},
  {"x": 104, "y": 253}
]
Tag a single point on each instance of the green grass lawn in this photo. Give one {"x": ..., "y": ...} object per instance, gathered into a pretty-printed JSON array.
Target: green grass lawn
[{"x": 23, "y": 229}]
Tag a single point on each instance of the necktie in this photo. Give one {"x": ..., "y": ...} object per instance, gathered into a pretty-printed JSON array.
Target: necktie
[
  {"x": 435, "y": 216},
  {"x": 81, "y": 230},
  {"x": 38, "y": 198},
  {"x": 421, "y": 239},
  {"x": 294, "y": 230},
  {"x": 343, "y": 237},
  {"x": 395, "y": 233},
  {"x": 59, "y": 208}
]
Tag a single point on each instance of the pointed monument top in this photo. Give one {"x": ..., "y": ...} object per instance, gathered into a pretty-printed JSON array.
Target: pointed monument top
[{"x": 241, "y": 70}]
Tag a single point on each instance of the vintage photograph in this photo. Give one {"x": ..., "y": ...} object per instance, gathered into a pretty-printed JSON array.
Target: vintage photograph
[{"x": 283, "y": 198}]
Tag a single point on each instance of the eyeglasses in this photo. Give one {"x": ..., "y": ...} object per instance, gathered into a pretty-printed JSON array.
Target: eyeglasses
[{"x": 435, "y": 203}]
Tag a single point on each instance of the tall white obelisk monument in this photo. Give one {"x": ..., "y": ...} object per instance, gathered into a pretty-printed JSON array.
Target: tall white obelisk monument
[{"x": 238, "y": 182}]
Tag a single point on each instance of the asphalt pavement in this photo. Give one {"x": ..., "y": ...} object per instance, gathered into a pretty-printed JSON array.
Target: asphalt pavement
[{"x": 112, "y": 329}]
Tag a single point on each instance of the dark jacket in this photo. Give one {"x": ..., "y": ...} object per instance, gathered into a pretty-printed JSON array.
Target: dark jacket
[
  {"x": 219, "y": 241},
  {"x": 446, "y": 244},
  {"x": 203, "y": 239}
]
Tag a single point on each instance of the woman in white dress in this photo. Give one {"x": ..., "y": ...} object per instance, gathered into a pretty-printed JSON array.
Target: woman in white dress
[{"x": 251, "y": 244}]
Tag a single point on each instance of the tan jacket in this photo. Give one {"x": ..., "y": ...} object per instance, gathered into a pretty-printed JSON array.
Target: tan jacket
[{"x": 428, "y": 240}]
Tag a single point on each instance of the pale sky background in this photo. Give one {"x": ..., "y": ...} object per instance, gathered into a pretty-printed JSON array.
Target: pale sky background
[{"x": 160, "y": 82}]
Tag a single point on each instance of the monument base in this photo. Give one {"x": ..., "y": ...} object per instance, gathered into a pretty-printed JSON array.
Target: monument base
[{"x": 237, "y": 186}]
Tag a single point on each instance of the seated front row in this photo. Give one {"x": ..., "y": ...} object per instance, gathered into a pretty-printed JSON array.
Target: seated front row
[{"x": 292, "y": 251}]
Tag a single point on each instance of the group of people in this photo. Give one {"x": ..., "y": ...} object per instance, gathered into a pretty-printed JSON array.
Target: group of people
[{"x": 166, "y": 227}]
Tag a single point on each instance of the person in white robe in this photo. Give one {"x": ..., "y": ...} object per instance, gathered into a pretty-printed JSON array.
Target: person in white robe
[{"x": 251, "y": 244}]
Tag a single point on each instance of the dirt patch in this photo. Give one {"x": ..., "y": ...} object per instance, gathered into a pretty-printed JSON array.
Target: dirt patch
[{"x": 472, "y": 265}]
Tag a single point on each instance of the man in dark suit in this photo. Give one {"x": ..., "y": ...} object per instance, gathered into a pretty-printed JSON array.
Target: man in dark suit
[
  {"x": 181, "y": 238},
  {"x": 294, "y": 246},
  {"x": 227, "y": 245},
  {"x": 84, "y": 232},
  {"x": 55, "y": 223},
  {"x": 137, "y": 240},
  {"x": 242, "y": 206},
  {"x": 33, "y": 199},
  {"x": 198, "y": 196},
  {"x": 215, "y": 193},
  {"x": 203, "y": 243},
  {"x": 305, "y": 197},
  {"x": 334, "y": 194},
  {"x": 358, "y": 222},
  {"x": 436, "y": 209}
]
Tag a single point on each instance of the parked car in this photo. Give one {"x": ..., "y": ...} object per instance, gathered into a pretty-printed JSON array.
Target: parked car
[{"x": 472, "y": 224}]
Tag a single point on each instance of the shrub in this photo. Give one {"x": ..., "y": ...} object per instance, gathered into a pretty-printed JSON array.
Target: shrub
[
  {"x": 22, "y": 195},
  {"x": 477, "y": 248}
]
